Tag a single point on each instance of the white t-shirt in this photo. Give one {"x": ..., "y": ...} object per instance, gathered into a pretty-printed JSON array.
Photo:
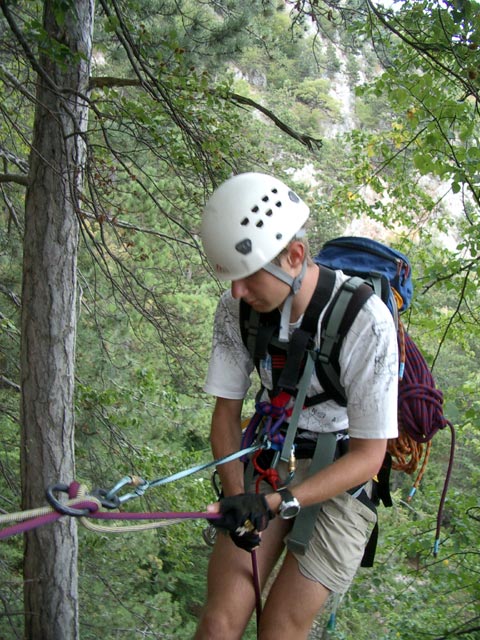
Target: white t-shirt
[{"x": 368, "y": 370}]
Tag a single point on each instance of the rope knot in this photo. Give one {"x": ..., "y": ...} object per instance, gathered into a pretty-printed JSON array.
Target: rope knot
[{"x": 270, "y": 475}]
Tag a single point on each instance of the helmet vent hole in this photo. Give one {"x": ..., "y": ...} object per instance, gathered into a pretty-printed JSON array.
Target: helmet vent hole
[
  {"x": 244, "y": 222},
  {"x": 278, "y": 236},
  {"x": 265, "y": 199},
  {"x": 268, "y": 213},
  {"x": 274, "y": 190},
  {"x": 259, "y": 224},
  {"x": 278, "y": 204},
  {"x": 254, "y": 209}
]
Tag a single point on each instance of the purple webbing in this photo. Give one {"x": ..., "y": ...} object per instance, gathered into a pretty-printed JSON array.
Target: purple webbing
[{"x": 275, "y": 417}]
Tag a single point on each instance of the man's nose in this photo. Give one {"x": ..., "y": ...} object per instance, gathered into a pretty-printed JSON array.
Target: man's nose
[{"x": 239, "y": 288}]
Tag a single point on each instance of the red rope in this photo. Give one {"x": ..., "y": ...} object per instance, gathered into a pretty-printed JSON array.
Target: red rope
[
  {"x": 420, "y": 416},
  {"x": 269, "y": 475},
  {"x": 420, "y": 403}
]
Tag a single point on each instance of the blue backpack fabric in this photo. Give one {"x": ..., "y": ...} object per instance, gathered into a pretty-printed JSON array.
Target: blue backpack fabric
[
  {"x": 420, "y": 403},
  {"x": 389, "y": 274},
  {"x": 374, "y": 262}
]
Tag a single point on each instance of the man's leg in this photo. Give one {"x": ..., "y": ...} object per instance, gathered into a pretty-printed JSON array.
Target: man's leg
[
  {"x": 332, "y": 558},
  {"x": 231, "y": 595},
  {"x": 292, "y": 604}
]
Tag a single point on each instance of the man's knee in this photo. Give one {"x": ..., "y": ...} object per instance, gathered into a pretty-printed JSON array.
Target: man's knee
[
  {"x": 218, "y": 625},
  {"x": 292, "y": 625}
]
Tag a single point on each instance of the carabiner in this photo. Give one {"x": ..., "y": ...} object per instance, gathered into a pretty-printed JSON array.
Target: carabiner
[
  {"x": 63, "y": 508},
  {"x": 107, "y": 502}
]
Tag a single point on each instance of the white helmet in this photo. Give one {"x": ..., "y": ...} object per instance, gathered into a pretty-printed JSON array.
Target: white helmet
[{"x": 247, "y": 222}]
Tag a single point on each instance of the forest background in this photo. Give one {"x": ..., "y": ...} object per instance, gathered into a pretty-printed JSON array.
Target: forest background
[{"x": 117, "y": 119}]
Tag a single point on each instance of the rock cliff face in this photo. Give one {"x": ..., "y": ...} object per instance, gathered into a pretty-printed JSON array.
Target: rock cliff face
[
  {"x": 342, "y": 92},
  {"x": 338, "y": 111}
]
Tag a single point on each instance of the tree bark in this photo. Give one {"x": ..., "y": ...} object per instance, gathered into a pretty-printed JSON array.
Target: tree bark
[{"x": 49, "y": 315}]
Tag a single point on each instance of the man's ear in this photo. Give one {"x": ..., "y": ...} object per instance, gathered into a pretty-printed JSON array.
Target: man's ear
[{"x": 296, "y": 254}]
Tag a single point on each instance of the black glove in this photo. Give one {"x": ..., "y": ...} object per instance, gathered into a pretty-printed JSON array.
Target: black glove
[
  {"x": 243, "y": 513},
  {"x": 248, "y": 541}
]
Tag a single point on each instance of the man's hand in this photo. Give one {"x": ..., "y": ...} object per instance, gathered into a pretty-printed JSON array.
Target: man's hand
[
  {"x": 243, "y": 516},
  {"x": 247, "y": 541}
]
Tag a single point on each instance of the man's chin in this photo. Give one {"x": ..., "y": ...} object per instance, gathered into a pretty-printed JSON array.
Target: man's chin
[{"x": 261, "y": 307}]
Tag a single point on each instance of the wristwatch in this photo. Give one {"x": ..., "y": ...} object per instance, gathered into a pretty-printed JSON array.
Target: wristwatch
[{"x": 289, "y": 506}]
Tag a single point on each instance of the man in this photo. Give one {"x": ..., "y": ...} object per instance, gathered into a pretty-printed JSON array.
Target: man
[{"x": 253, "y": 234}]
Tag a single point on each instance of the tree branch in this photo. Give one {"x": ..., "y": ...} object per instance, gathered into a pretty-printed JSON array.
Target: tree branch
[
  {"x": 423, "y": 49},
  {"x": 308, "y": 141},
  {"x": 24, "y": 44},
  {"x": 451, "y": 319},
  {"x": 14, "y": 177},
  {"x": 111, "y": 81},
  {"x": 5, "y": 383},
  {"x": 11, "y": 294},
  {"x": 11, "y": 157},
  {"x": 116, "y": 222}
]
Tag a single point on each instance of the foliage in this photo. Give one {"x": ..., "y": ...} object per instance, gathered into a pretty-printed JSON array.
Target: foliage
[{"x": 162, "y": 131}]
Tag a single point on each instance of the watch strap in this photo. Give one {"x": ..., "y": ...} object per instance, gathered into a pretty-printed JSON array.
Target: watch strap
[{"x": 285, "y": 495}]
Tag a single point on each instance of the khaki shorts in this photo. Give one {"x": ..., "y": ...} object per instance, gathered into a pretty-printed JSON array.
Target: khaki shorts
[{"x": 342, "y": 530}]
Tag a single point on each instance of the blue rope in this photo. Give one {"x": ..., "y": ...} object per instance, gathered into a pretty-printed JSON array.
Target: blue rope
[{"x": 143, "y": 485}]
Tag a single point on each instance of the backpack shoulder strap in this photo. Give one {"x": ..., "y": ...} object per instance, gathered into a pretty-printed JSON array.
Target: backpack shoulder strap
[
  {"x": 257, "y": 330},
  {"x": 302, "y": 338},
  {"x": 339, "y": 317}
]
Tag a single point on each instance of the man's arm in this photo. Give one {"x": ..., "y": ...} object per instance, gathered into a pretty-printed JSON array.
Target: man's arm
[
  {"x": 362, "y": 461},
  {"x": 225, "y": 438}
]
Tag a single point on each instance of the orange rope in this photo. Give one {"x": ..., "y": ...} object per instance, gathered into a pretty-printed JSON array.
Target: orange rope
[
  {"x": 407, "y": 454},
  {"x": 423, "y": 467},
  {"x": 398, "y": 298}
]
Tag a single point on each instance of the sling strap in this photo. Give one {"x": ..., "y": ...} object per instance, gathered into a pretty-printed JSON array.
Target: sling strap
[
  {"x": 299, "y": 536},
  {"x": 339, "y": 317}
]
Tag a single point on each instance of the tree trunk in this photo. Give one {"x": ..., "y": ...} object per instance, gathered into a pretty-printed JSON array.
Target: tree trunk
[{"x": 49, "y": 315}]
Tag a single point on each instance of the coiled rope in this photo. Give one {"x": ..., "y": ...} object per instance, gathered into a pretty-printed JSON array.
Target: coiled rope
[{"x": 420, "y": 417}]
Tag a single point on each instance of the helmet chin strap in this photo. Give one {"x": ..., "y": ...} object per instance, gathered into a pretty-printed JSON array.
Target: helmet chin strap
[{"x": 294, "y": 283}]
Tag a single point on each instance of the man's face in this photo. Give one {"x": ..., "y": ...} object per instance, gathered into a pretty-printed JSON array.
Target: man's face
[{"x": 262, "y": 291}]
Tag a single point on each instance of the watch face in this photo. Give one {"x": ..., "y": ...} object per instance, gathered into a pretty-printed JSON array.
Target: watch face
[
  {"x": 289, "y": 507},
  {"x": 290, "y": 510}
]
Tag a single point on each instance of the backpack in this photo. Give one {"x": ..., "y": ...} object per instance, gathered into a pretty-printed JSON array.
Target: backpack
[{"x": 373, "y": 268}]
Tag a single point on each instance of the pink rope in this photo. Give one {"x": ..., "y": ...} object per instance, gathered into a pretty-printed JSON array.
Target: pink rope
[
  {"x": 23, "y": 527},
  {"x": 28, "y": 525}
]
